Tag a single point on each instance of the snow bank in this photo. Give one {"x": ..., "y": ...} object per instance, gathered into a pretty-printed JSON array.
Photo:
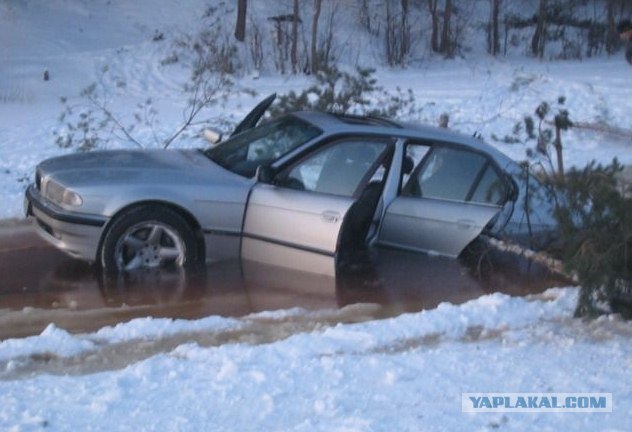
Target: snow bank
[
  {"x": 152, "y": 328},
  {"x": 57, "y": 342},
  {"x": 52, "y": 341},
  {"x": 494, "y": 311},
  {"x": 403, "y": 373}
]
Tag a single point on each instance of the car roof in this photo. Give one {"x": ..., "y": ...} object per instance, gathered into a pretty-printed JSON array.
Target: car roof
[{"x": 334, "y": 124}]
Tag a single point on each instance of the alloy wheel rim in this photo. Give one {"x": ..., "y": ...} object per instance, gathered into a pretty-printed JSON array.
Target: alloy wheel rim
[{"x": 149, "y": 245}]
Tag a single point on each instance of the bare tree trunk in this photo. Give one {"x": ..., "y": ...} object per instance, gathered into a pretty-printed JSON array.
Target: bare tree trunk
[
  {"x": 405, "y": 47},
  {"x": 494, "y": 33},
  {"x": 389, "y": 37},
  {"x": 506, "y": 34},
  {"x": 294, "y": 49},
  {"x": 539, "y": 36},
  {"x": 240, "y": 25},
  {"x": 447, "y": 47},
  {"x": 612, "y": 36},
  {"x": 315, "y": 64},
  {"x": 434, "y": 35}
]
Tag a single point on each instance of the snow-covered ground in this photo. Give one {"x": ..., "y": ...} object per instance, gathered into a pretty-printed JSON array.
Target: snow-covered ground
[{"x": 404, "y": 373}]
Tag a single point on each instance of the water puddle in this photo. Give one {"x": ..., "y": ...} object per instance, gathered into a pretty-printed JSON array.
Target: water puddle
[{"x": 39, "y": 285}]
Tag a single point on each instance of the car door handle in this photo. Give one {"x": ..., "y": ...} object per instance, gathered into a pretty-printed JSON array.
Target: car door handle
[
  {"x": 465, "y": 223},
  {"x": 330, "y": 216}
]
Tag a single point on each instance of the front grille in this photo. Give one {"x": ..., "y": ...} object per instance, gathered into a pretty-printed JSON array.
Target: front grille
[{"x": 38, "y": 180}]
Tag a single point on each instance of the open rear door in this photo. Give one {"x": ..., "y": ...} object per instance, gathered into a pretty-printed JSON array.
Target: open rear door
[
  {"x": 435, "y": 226},
  {"x": 447, "y": 201}
]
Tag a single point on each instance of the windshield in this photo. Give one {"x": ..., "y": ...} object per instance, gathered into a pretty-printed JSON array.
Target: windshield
[{"x": 243, "y": 153}]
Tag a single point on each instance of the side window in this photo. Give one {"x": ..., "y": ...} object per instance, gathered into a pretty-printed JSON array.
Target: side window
[
  {"x": 449, "y": 173},
  {"x": 452, "y": 174},
  {"x": 337, "y": 169},
  {"x": 491, "y": 189}
]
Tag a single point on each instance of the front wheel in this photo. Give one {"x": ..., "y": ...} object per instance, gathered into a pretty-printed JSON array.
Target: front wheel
[{"x": 148, "y": 237}]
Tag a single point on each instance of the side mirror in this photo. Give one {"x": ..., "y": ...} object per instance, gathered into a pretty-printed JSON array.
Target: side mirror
[
  {"x": 265, "y": 174},
  {"x": 212, "y": 136}
]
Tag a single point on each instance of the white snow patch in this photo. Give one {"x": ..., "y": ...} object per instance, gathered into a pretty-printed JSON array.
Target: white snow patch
[
  {"x": 152, "y": 328},
  {"x": 52, "y": 341},
  {"x": 403, "y": 373}
]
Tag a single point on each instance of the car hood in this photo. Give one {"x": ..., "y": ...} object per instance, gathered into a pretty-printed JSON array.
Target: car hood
[{"x": 134, "y": 167}]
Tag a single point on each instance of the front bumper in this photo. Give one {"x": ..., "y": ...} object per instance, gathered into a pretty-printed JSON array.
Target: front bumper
[{"x": 77, "y": 234}]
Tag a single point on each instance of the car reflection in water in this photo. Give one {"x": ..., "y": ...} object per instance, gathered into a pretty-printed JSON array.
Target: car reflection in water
[
  {"x": 395, "y": 280},
  {"x": 407, "y": 282}
]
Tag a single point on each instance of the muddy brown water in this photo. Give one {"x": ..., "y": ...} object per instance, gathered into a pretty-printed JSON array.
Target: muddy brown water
[{"x": 40, "y": 285}]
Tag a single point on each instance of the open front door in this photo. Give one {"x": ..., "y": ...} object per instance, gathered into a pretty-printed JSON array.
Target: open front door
[
  {"x": 294, "y": 229},
  {"x": 296, "y": 222}
]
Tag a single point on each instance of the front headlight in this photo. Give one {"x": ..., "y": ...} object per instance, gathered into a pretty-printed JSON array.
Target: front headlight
[
  {"x": 71, "y": 198},
  {"x": 61, "y": 195}
]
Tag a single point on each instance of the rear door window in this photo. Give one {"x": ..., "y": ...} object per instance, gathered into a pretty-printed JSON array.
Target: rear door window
[{"x": 454, "y": 174}]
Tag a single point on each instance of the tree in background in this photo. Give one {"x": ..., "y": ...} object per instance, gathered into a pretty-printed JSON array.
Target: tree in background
[
  {"x": 315, "y": 57},
  {"x": 294, "y": 49},
  {"x": 538, "y": 41},
  {"x": 447, "y": 46},
  {"x": 442, "y": 40},
  {"x": 397, "y": 33},
  {"x": 493, "y": 32},
  {"x": 240, "y": 25},
  {"x": 405, "y": 27},
  {"x": 611, "y": 40},
  {"x": 434, "y": 17},
  {"x": 556, "y": 29}
]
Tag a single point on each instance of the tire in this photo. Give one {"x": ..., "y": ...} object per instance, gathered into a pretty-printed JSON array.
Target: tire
[{"x": 148, "y": 237}]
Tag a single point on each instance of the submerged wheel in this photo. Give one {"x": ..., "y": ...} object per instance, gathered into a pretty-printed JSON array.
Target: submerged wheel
[{"x": 148, "y": 237}]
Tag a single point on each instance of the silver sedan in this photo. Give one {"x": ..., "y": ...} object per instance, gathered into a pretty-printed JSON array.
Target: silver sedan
[{"x": 303, "y": 191}]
